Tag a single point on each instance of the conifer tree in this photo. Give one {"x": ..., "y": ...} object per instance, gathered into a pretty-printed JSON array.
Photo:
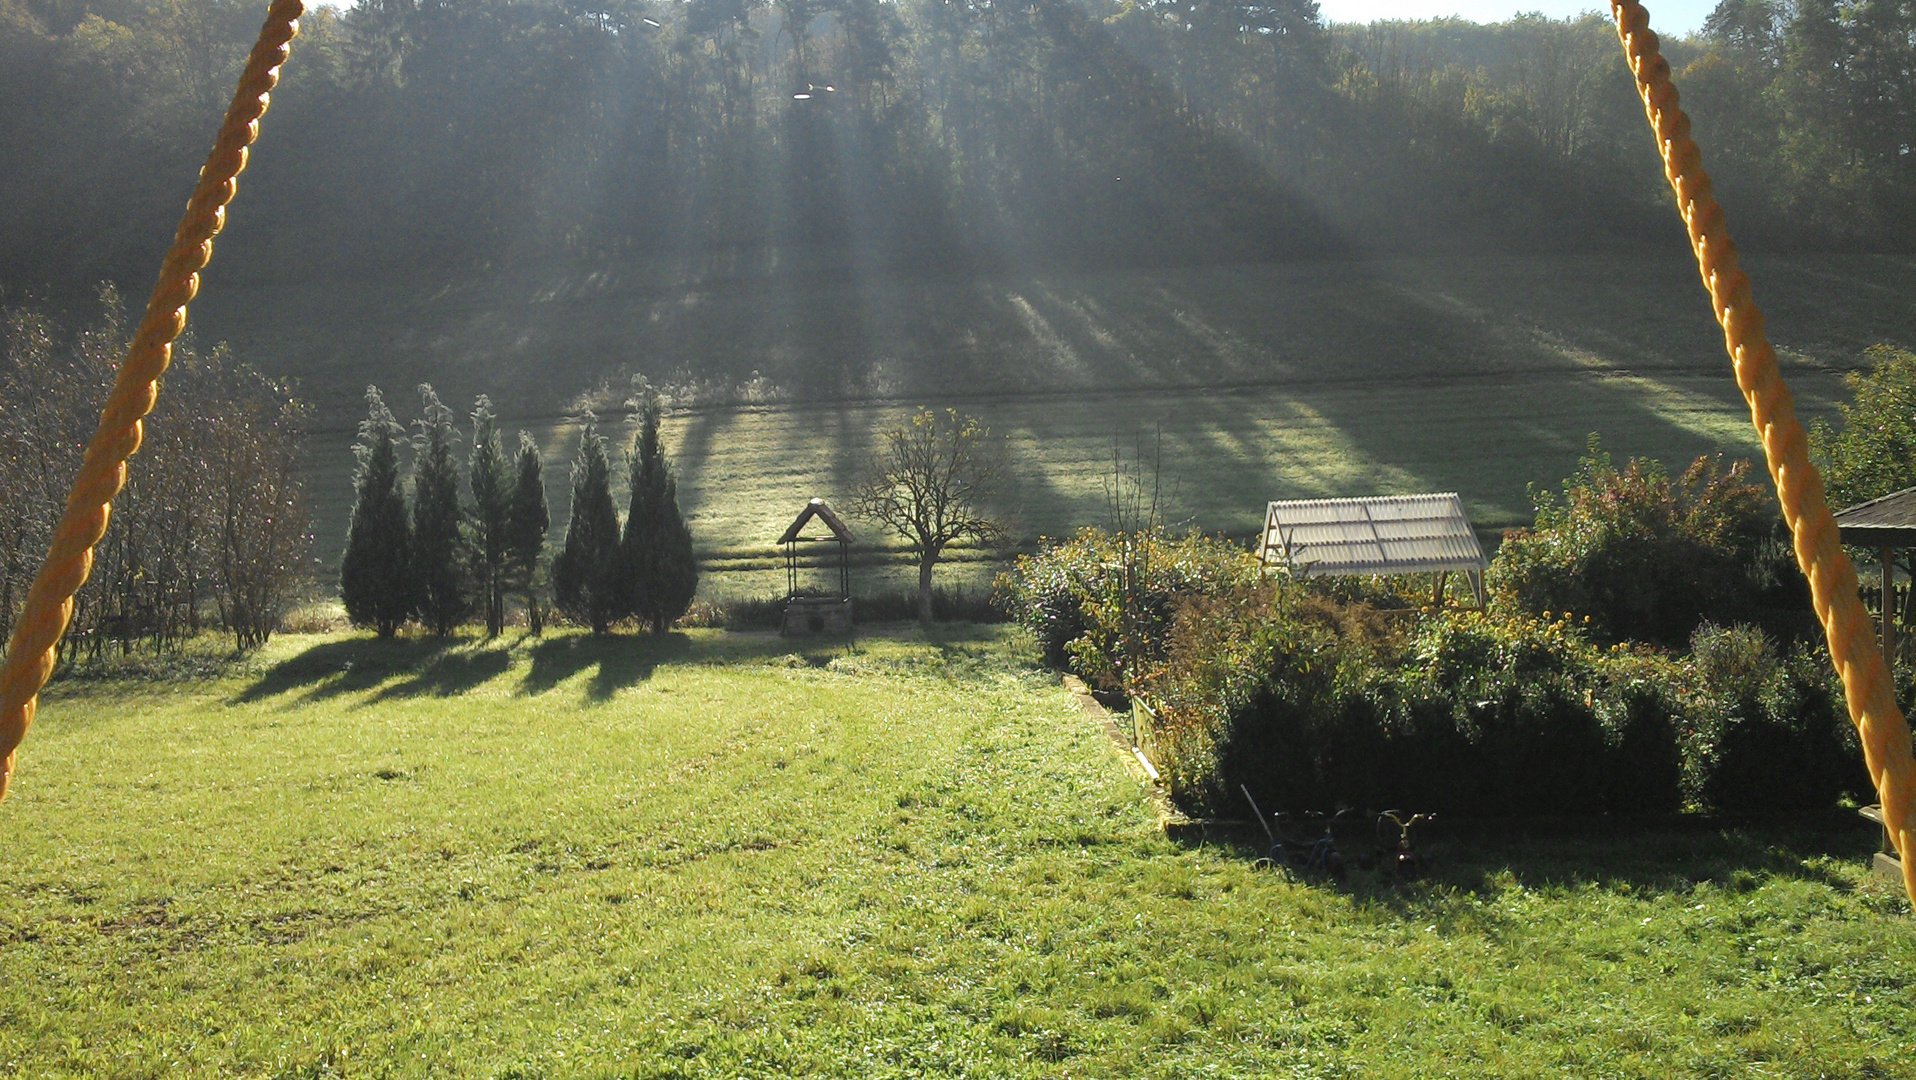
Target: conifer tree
[
  {"x": 375, "y": 575},
  {"x": 588, "y": 574},
  {"x": 527, "y": 519},
  {"x": 492, "y": 493},
  {"x": 661, "y": 574},
  {"x": 440, "y": 558}
]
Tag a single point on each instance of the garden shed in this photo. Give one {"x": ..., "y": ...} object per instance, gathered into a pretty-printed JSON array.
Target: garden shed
[
  {"x": 1381, "y": 534},
  {"x": 812, "y": 613}
]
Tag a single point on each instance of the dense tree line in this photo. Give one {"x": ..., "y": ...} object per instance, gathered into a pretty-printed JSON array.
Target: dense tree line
[
  {"x": 211, "y": 529},
  {"x": 858, "y": 134},
  {"x": 436, "y": 559},
  {"x": 1806, "y": 109}
]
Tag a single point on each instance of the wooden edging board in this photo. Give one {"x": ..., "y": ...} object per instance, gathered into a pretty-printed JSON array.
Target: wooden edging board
[{"x": 1134, "y": 758}]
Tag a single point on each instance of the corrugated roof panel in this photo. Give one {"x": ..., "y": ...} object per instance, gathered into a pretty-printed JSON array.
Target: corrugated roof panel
[{"x": 1390, "y": 534}]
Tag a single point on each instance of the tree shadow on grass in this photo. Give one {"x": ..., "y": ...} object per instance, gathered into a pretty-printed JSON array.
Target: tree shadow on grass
[
  {"x": 1639, "y": 859},
  {"x": 620, "y": 660},
  {"x": 450, "y": 674},
  {"x": 351, "y": 666}
]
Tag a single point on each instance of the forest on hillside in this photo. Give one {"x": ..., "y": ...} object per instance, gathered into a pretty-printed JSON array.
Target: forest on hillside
[{"x": 723, "y": 138}]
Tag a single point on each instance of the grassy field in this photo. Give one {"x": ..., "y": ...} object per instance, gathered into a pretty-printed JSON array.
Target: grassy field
[
  {"x": 1475, "y": 374},
  {"x": 746, "y": 472},
  {"x": 534, "y": 337},
  {"x": 710, "y": 856}
]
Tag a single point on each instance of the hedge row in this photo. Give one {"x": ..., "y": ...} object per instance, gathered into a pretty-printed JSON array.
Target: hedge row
[{"x": 1315, "y": 700}]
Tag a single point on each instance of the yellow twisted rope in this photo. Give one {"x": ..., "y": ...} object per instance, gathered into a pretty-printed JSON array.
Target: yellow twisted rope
[
  {"x": 1852, "y": 640},
  {"x": 49, "y": 604}
]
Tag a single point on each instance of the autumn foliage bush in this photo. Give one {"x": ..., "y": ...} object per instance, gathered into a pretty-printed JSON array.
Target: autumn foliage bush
[{"x": 1102, "y": 602}]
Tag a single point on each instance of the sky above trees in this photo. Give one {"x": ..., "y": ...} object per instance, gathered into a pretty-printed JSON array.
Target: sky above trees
[{"x": 1667, "y": 17}]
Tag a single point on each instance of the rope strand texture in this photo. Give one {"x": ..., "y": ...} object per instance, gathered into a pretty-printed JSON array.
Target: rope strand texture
[
  {"x": 1819, "y": 551},
  {"x": 49, "y": 607}
]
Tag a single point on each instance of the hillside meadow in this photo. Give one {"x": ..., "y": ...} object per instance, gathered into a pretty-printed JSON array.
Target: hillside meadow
[
  {"x": 1480, "y": 374},
  {"x": 745, "y": 472},
  {"x": 713, "y": 855},
  {"x": 534, "y": 337}
]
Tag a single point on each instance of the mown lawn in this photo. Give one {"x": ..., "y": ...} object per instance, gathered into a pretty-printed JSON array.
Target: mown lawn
[{"x": 711, "y": 856}]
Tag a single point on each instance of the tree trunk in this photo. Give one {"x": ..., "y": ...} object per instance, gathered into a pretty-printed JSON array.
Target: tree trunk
[{"x": 926, "y": 561}]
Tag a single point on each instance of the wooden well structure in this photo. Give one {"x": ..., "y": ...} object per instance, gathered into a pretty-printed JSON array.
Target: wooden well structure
[{"x": 814, "y": 613}]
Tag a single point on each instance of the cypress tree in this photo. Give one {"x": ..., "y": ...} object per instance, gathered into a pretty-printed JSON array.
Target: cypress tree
[
  {"x": 491, "y": 507},
  {"x": 375, "y": 576},
  {"x": 657, "y": 548},
  {"x": 439, "y": 545},
  {"x": 527, "y": 520},
  {"x": 588, "y": 575}
]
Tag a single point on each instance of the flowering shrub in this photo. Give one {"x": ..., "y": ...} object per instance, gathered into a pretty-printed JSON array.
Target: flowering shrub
[{"x": 1647, "y": 556}]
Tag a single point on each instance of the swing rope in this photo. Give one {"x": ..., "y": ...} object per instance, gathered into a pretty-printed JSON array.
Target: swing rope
[
  {"x": 1819, "y": 551},
  {"x": 49, "y": 606}
]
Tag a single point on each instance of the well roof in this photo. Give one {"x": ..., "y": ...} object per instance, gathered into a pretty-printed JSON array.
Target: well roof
[
  {"x": 1385, "y": 534},
  {"x": 820, "y": 509}
]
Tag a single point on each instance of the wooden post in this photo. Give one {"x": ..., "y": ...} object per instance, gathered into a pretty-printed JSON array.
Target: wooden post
[
  {"x": 1889, "y": 611},
  {"x": 1437, "y": 596}
]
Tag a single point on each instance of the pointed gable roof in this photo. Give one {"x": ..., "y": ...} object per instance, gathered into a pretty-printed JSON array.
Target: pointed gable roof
[{"x": 818, "y": 508}]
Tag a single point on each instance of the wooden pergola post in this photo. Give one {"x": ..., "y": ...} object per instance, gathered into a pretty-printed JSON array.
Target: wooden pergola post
[{"x": 1889, "y": 609}]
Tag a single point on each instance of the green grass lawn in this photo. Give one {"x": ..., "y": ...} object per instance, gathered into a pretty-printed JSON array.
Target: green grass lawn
[
  {"x": 712, "y": 856},
  {"x": 535, "y": 335}
]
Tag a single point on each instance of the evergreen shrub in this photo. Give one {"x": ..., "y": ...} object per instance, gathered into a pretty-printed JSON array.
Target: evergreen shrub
[
  {"x": 1485, "y": 716},
  {"x": 1767, "y": 733}
]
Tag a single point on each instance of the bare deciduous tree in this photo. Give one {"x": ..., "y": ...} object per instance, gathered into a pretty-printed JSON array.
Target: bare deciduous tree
[
  {"x": 210, "y": 522},
  {"x": 931, "y": 481},
  {"x": 259, "y": 501}
]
